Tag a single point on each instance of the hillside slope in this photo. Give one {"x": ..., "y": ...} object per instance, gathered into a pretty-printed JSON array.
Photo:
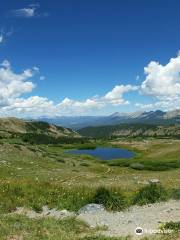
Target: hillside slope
[
  {"x": 131, "y": 130},
  {"x": 11, "y": 126}
]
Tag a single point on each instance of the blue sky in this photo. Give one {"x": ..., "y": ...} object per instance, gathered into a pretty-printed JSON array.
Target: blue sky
[{"x": 89, "y": 56}]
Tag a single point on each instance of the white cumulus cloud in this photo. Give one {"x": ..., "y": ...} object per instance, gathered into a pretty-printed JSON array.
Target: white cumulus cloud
[
  {"x": 162, "y": 80},
  {"x": 115, "y": 96},
  {"x": 13, "y": 86}
]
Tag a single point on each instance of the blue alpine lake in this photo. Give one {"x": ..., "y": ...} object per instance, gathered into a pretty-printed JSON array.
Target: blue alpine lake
[{"x": 104, "y": 153}]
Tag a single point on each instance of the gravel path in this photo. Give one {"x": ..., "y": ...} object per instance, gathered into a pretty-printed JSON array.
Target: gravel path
[
  {"x": 148, "y": 217},
  {"x": 124, "y": 223}
]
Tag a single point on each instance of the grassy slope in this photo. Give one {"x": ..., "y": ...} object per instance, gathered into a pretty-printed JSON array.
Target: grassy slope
[
  {"x": 9, "y": 126},
  {"x": 131, "y": 130},
  {"x": 22, "y": 228},
  {"x": 37, "y": 175}
]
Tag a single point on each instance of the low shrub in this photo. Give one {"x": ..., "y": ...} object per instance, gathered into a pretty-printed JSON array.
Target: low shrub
[
  {"x": 172, "y": 225},
  {"x": 137, "y": 166},
  {"x": 150, "y": 194},
  {"x": 84, "y": 164},
  {"x": 87, "y": 147},
  {"x": 119, "y": 163},
  {"x": 157, "y": 165},
  {"x": 176, "y": 193},
  {"x": 150, "y": 165},
  {"x": 18, "y": 147},
  {"x": 61, "y": 160},
  {"x": 110, "y": 199}
]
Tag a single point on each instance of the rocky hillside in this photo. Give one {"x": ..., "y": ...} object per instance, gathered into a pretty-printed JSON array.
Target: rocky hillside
[
  {"x": 132, "y": 130},
  {"x": 13, "y": 126},
  {"x": 157, "y": 117}
]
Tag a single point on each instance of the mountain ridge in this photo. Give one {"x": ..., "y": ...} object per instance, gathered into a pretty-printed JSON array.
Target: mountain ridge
[
  {"x": 148, "y": 117},
  {"x": 11, "y": 125},
  {"x": 131, "y": 130}
]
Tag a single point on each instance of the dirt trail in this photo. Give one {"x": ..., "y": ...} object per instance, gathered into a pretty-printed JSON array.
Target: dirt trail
[{"x": 148, "y": 217}]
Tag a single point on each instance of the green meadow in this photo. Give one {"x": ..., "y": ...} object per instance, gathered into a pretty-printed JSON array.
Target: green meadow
[{"x": 35, "y": 175}]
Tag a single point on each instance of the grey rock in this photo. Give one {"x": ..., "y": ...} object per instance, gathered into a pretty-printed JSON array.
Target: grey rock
[
  {"x": 143, "y": 182},
  {"x": 91, "y": 208},
  {"x": 154, "y": 181},
  {"x": 46, "y": 212}
]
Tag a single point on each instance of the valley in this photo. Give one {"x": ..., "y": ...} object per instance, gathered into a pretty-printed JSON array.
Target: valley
[
  {"x": 157, "y": 117},
  {"x": 36, "y": 171},
  {"x": 90, "y": 120}
]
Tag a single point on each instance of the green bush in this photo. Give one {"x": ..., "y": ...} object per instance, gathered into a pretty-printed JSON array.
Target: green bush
[
  {"x": 176, "y": 193},
  {"x": 150, "y": 194},
  {"x": 45, "y": 138},
  {"x": 61, "y": 160},
  {"x": 87, "y": 147},
  {"x": 150, "y": 165},
  {"x": 84, "y": 164},
  {"x": 173, "y": 225},
  {"x": 159, "y": 165},
  {"x": 119, "y": 163},
  {"x": 110, "y": 199},
  {"x": 137, "y": 166}
]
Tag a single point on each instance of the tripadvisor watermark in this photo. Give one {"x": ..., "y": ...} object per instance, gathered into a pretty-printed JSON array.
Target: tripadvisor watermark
[{"x": 141, "y": 231}]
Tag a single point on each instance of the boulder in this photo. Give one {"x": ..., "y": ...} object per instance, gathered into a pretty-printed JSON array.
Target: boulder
[
  {"x": 154, "y": 181},
  {"x": 91, "y": 208}
]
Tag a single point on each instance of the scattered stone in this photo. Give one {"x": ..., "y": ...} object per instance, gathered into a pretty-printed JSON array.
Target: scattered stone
[
  {"x": 154, "y": 181},
  {"x": 125, "y": 222},
  {"x": 135, "y": 177},
  {"x": 3, "y": 161},
  {"x": 143, "y": 182},
  {"x": 117, "y": 224},
  {"x": 46, "y": 212},
  {"x": 91, "y": 208},
  {"x": 15, "y": 237}
]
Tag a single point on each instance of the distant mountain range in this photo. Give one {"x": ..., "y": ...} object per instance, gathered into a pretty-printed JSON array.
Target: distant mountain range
[{"x": 157, "y": 117}]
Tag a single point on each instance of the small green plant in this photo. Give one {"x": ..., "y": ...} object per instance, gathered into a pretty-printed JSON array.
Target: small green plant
[
  {"x": 111, "y": 199},
  {"x": 118, "y": 163},
  {"x": 159, "y": 165},
  {"x": 61, "y": 160},
  {"x": 137, "y": 166},
  {"x": 150, "y": 194},
  {"x": 84, "y": 164},
  {"x": 18, "y": 147},
  {"x": 176, "y": 193},
  {"x": 21, "y": 227},
  {"x": 172, "y": 225},
  {"x": 87, "y": 147}
]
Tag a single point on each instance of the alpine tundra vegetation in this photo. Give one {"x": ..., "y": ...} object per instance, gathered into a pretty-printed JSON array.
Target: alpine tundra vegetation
[{"x": 90, "y": 120}]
